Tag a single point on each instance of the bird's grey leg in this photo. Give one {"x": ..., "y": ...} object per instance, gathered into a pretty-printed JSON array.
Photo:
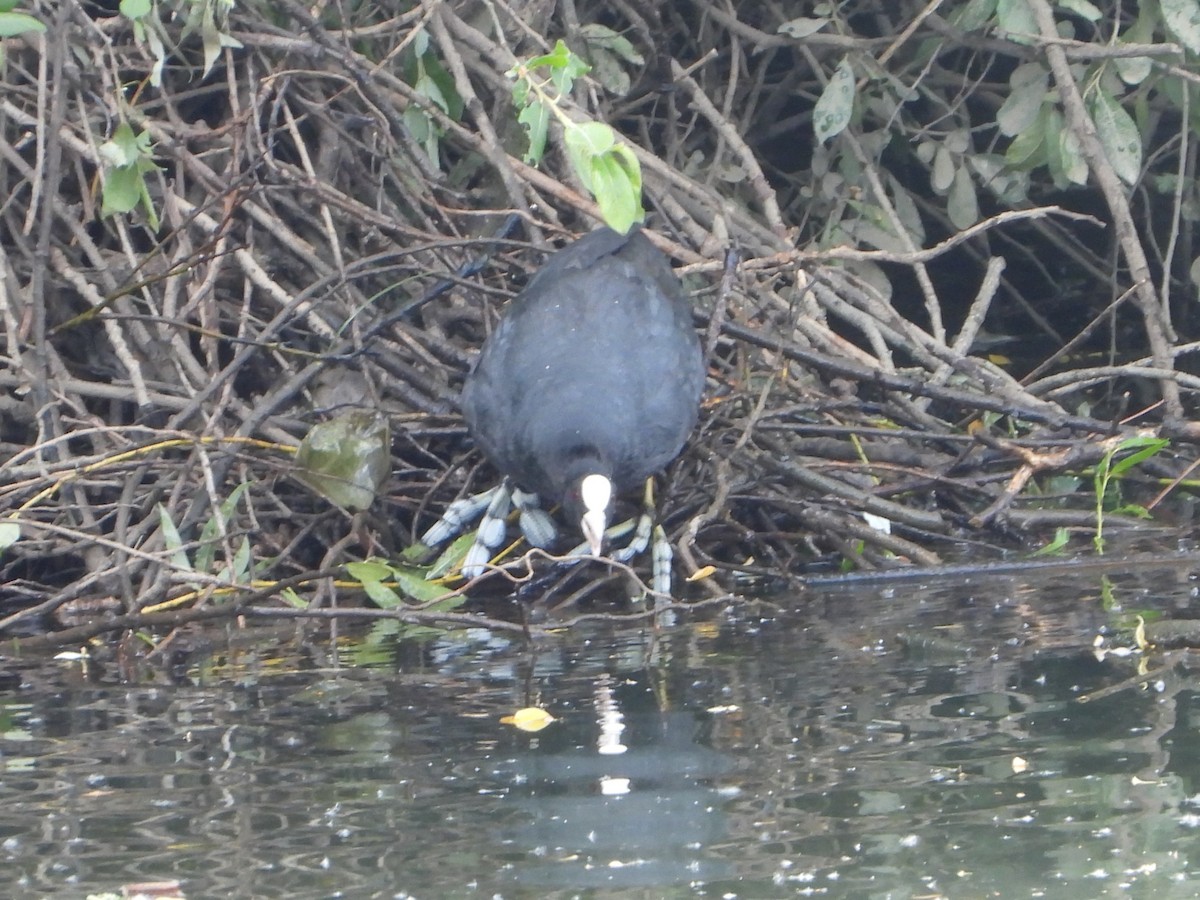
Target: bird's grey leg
[
  {"x": 457, "y": 517},
  {"x": 536, "y": 524},
  {"x": 491, "y": 531},
  {"x": 660, "y": 565},
  {"x": 491, "y": 507},
  {"x": 644, "y": 530}
]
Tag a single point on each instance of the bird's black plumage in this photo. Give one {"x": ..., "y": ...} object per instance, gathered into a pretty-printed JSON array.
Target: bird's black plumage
[{"x": 595, "y": 368}]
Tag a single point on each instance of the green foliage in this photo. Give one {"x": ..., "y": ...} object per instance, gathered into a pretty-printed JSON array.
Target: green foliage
[
  {"x": 1182, "y": 18},
  {"x": 973, "y": 15},
  {"x": 609, "y": 170},
  {"x": 208, "y": 18},
  {"x": 1031, "y": 116},
  {"x": 424, "y": 71},
  {"x": 802, "y": 26},
  {"x": 127, "y": 159},
  {"x": 13, "y": 23},
  {"x": 1056, "y": 545},
  {"x": 835, "y": 106},
  {"x": 1107, "y": 477},
  {"x": 382, "y": 580},
  {"x": 607, "y": 166},
  {"x": 1015, "y": 18},
  {"x": 236, "y": 570},
  {"x": 1119, "y": 135},
  {"x": 612, "y": 57},
  {"x": 538, "y": 99},
  {"x": 1025, "y": 147}
]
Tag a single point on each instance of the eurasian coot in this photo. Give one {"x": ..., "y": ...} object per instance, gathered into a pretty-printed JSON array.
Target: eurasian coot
[{"x": 590, "y": 383}]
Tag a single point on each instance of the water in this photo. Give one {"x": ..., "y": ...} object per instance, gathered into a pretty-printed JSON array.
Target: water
[{"x": 954, "y": 738}]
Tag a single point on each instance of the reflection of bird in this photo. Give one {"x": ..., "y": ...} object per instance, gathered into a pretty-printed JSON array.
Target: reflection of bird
[{"x": 590, "y": 383}]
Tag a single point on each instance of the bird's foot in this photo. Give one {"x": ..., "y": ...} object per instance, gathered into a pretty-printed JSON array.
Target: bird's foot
[
  {"x": 457, "y": 517},
  {"x": 491, "y": 508},
  {"x": 537, "y": 526}
]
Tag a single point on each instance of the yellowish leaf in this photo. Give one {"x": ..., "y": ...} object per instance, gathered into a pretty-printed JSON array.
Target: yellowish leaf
[{"x": 528, "y": 719}]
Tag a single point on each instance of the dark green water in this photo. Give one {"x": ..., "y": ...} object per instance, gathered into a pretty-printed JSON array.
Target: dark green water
[{"x": 912, "y": 740}]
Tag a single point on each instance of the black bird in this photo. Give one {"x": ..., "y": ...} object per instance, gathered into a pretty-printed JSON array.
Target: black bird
[{"x": 590, "y": 384}]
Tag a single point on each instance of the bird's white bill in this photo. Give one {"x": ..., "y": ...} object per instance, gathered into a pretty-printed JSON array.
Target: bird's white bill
[{"x": 596, "y": 493}]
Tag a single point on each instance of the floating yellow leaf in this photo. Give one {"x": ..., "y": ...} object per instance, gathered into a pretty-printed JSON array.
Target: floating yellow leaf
[{"x": 528, "y": 719}]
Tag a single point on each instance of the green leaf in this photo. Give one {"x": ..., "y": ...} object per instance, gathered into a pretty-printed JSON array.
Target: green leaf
[
  {"x": 906, "y": 210},
  {"x": 802, "y": 27},
  {"x": 1016, "y": 18},
  {"x": 588, "y": 139},
  {"x": 611, "y": 55},
  {"x": 1118, "y": 135},
  {"x": 1083, "y": 9},
  {"x": 993, "y": 172},
  {"x": 536, "y": 119},
  {"x": 563, "y": 77},
  {"x": 1027, "y": 93},
  {"x": 607, "y": 70},
  {"x": 372, "y": 574},
  {"x": 14, "y": 23},
  {"x": 619, "y": 199},
  {"x": 412, "y": 582},
  {"x": 452, "y": 557},
  {"x": 293, "y": 599},
  {"x": 1146, "y": 447},
  {"x": 135, "y": 9},
  {"x": 122, "y": 148},
  {"x": 1136, "y": 69},
  {"x": 557, "y": 58},
  {"x": 424, "y": 131},
  {"x": 369, "y": 570},
  {"x": 210, "y": 37},
  {"x": 122, "y": 191},
  {"x": 973, "y": 15},
  {"x": 10, "y": 533},
  {"x": 443, "y": 81},
  {"x": 608, "y": 169},
  {"x": 382, "y": 595},
  {"x": 835, "y": 106},
  {"x": 1133, "y": 69},
  {"x": 1027, "y": 149},
  {"x": 520, "y": 93},
  {"x": 962, "y": 206},
  {"x": 346, "y": 460},
  {"x": 239, "y": 567},
  {"x": 1182, "y": 18},
  {"x": 941, "y": 176},
  {"x": 1061, "y": 538},
  {"x": 1064, "y": 155},
  {"x": 595, "y": 35},
  {"x": 173, "y": 541},
  {"x": 206, "y": 553},
  {"x": 1134, "y": 510}
]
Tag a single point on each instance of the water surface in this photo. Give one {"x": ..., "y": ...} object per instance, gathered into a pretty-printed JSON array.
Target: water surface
[{"x": 956, "y": 737}]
